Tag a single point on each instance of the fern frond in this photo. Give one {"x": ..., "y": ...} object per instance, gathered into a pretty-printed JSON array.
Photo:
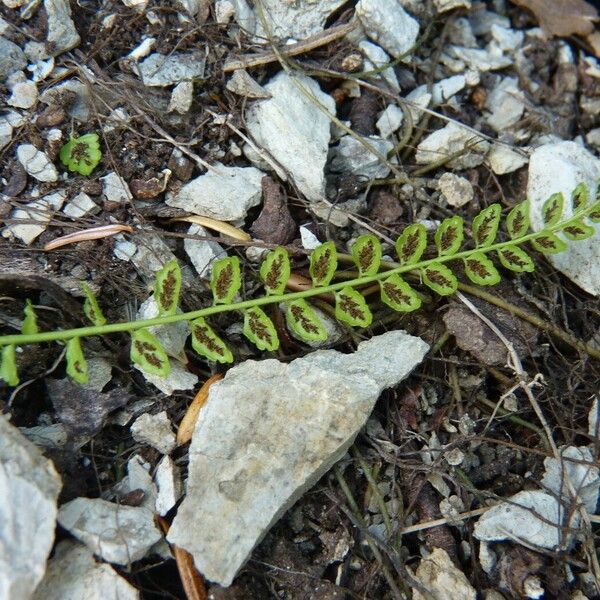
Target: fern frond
[{"x": 351, "y": 307}]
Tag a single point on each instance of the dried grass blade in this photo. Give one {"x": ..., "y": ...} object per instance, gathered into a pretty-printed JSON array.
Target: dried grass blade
[
  {"x": 95, "y": 233},
  {"x": 220, "y": 226}
]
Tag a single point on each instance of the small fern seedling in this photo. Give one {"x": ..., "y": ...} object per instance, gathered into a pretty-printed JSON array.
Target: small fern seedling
[
  {"x": 351, "y": 308},
  {"x": 81, "y": 155}
]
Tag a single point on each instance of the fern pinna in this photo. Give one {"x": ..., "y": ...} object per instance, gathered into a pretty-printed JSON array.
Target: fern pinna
[{"x": 351, "y": 307}]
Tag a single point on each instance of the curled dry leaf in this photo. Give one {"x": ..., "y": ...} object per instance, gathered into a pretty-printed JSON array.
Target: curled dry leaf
[
  {"x": 275, "y": 224},
  {"x": 564, "y": 18},
  {"x": 188, "y": 423},
  {"x": 94, "y": 233}
]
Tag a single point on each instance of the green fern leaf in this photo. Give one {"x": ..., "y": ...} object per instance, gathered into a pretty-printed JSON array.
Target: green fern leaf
[
  {"x": 259, "y": 329},
  {"x": 91, "y": 308},
  {"x": 485, "y": 225},
  {"x": 440, "y": 279},
  {"x": 148, "y": 353},
  {"x": 81, "y": 154},
  {"x": 516, "y": 259},
  {"x": 552, "y": 209},
  {"x": 517, "y": 221},
  {"x": 351, "y": 308},
  {"x": 8, "y": 366},
  {"x": 397, "y": 294},
  {"x": 304, "y": 322},
  {"x": 411, "y": 244},
  {"x": 167, "y": 287},
  {"x": 323, "y": 264},
  {"x": 580, "y": 196},
  {"x": 449, "y": 236},
  {"x": 207, "y": 343},
  {"x": 225, "y": 279},
  {"x": 77, "y": 367},
  {"x": 30, "y": 325},
  {"x": 275, "y": 271},
  {"x": 548, "y": 243},
  {"x": 578, "y": 230},
  {"x": 481, "y": 270},
  {"x": 366, "y": 252},
  {"x": 594, "y": 214}
]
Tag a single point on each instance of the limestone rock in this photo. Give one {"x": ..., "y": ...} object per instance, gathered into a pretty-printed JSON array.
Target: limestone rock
[
  {"x": 576, "y": 463},
  {"x": 378, "y": 57},
  {"x": 389, "y": 120},
  {"x": 294, "y": 131},
  {"x": 169, "y": 485},
  {"x": 159, "y": 70},
  {"x": 457, "y": 190},
  {"x": 39, "y": 210},
  {"x": 559, "y": 167},
  {"x": 244, "y": 15},
  {"x": 446, "y": 5},
  {"x": 243, "y": 84},
  {"x": 448, "y": 140},
  {"x": 117, "y": 533},
  {"x": 442, "y": 579},
  {"x": 268, "y": 432},
  {"x": 74, "y": 573},
  {"x": 79, "y": 108},
  {"x": 6, "y": 131},
  {"x": 339, "y": 214},
  {"x": 154, "y": 430},
  {"x": 226, "y": 194},
  {"x": 114, "y": 188},
  {"x": 482, "y": 59},
  {"x": 29, "y": 487},
  {"x": 46, "y": 436},
  {"x": 11, "y": 58},
  {"x": 202, "y": 253},
  {"x": 505, "y": 160},
  {"x": 138, "y": 478},
  {"x": 138, "y": 5},
  {"x": 296, "y": 20},
  {"x": 420, "y": 98},
  {"x": 24, "y": 95},
  {"x": 443, "y": 90},
  {"x": 387, "y": 23},
  {"x": 146, "y": 250},
  {"x": 351, "y": 156},
  {"x": 182, "y": 98},
  {"x": 62, "y": 34},
  {"x": 506, "y": 103},
  {"x": 36, "y": 163},
  {"x": 79, "y": 206},
  {"x": 516, "y": 520}
]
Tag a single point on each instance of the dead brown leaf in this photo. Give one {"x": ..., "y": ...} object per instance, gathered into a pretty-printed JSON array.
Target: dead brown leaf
[
  {"x": 188, "y": 423},
  {"x": 192, "y": 582},
  {"x": 562, "y": 17},
  {"x": 275, "y": 224}
]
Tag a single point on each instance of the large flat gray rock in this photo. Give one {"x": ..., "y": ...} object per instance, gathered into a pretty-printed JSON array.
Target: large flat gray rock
[
  {"x": 29, "y": 487},
  {"x": 226, "y": 193},
  {"x": 268, "y": 432},
  {"x": 294, "y": 130},
  {"x": 560, "y": 167}
]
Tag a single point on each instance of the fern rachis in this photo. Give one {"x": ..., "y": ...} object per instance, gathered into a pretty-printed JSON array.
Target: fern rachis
[{"x": 350, "y": 308}]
